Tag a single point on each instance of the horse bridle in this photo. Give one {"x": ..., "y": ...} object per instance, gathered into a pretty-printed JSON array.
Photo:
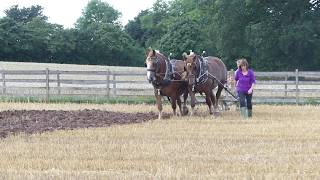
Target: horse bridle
[
  {"x": 156, "y": 60},
  {"x": 199, "y": 77},
  {"x": 196, "y": 66}
]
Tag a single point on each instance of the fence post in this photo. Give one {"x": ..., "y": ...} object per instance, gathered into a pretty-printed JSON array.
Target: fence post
[
  {"x": 3, "y": 74},
  {"x": 114, "y": 84},
  {"x": 297, "y": 86},
  {"x": 47, "y": 85},
  {"x": 286, "y": 86},
  {"x": 58, "y": 82},
  {"x": 108, "y": 83}
]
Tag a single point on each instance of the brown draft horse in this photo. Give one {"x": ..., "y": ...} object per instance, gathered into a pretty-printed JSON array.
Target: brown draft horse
[
  {"x": 205, "y": 74},
  {"x": 166, "y": 78}
]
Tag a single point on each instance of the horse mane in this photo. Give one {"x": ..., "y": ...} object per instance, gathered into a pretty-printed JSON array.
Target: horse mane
[{"x": 160, "y": 54}]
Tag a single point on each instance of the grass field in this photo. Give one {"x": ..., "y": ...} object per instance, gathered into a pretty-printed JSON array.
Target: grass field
[{"x": 279, "y": 142}]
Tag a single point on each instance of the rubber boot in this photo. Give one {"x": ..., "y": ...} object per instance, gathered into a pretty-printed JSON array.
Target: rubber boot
[
  {"x": 244, "y": 112},
  {"x": 250, "y": 113}
]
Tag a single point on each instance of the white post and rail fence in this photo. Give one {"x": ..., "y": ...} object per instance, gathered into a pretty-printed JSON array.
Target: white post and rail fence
[{"x": 272, "y": 87}]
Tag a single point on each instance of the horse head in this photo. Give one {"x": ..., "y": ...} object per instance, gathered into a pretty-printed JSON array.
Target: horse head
[
  {"x": 191, "y": 67},
  {"x": 151, "y": 64},
  {"x": 155, "y": 63}
]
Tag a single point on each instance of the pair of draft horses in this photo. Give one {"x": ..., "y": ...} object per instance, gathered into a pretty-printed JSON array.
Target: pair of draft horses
[{"x": 176, "y": 78}]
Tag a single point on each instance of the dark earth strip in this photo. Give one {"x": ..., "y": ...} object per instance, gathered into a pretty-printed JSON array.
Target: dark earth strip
[{"x": 35, "y": 121}]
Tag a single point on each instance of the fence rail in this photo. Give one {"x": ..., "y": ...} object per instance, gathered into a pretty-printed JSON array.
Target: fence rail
[{"x": 296, "y": 86}]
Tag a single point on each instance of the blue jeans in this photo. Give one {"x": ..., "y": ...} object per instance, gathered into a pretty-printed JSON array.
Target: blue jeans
[{"x": 245, "y": 99}]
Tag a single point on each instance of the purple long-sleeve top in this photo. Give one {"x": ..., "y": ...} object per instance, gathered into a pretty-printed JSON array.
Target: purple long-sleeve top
[{"x": 244, "y": 82}]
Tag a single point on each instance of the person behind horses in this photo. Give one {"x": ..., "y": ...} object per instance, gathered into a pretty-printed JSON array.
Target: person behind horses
[
  {"x": 245, "y": 82},
  {"x": 238, "y": 63},
  {"x": 238, "y": 69}
]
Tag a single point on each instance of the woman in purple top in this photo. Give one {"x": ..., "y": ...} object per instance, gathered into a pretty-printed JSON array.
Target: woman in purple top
[{"x": 245, "y": 81}]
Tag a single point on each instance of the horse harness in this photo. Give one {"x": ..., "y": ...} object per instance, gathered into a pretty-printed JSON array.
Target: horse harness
[
  {"x": 203, "y": 74},
  {"x": 169, "y": 74}
]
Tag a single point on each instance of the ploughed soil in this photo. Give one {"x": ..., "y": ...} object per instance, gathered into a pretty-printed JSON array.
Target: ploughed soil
[{"x": 35, "y": 121}]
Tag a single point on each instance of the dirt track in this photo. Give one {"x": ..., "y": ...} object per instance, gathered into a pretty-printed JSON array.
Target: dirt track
[{"x": 36, "y": 121}]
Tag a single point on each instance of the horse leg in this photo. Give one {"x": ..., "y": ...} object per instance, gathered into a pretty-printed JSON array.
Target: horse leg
[
  {"x": 209, "y": 101},
  {"x": 214, "y": 100},
  {"x": 193, "y": 100},
  {"x": 184, "y": 107},
  {"x": 218, "y": 94},
  {"x": 159, "y": 103},
  {"x": 174, "y": 104},
  {"x": 179, "y": 104}
]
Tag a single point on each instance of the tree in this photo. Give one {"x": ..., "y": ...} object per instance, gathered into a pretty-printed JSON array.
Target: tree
[
  {"x": 272, "y": 35},
  {"x": 285, "y": 35},
  {"x": 25, "y": 15},
  {"x": 136, "y": 30},
  {"x": 10, "y": 32},
  {"x": 184, "y": 35},
  {"x": 25, "y": 33},
  {"x": 62, "y": 46},
  {"x": 98, "y": 12},
  {"x": 102, "y": 40},
  {"x": 150, "y": 25}
]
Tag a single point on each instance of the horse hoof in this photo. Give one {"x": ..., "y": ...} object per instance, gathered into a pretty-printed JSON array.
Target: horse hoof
[
  {"x": 184, "y": 113},
  {"x": 217, "y": 114}
]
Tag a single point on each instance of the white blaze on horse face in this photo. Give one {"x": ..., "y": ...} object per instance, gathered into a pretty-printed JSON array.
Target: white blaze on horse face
[
  {"x": 189, "y": 66},
  {"x": 191, "y": 77},
  {"x": 149, "y": 66}
]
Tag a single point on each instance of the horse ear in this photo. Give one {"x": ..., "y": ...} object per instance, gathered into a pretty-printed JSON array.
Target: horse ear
[
  {"x": 153, "y": 52},
  {"x": 148, "y": 51},
  {"x": 184, "y": 56},
  {"x": 203, "y": 53},
  {"x": 169, "y": 57}
]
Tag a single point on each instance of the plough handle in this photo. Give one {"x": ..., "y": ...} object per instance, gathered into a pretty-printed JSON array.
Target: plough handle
[{"x": 224, "y": 87}]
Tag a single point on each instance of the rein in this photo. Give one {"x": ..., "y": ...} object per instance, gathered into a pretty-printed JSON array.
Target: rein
[{"x": 157, "y": 66}]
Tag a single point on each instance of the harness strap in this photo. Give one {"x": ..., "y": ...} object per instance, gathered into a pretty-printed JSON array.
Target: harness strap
[
  {"x": 203, "y": 72},
  {"x": 167, "y": 73},
  {"x": 172, "y": 63}
]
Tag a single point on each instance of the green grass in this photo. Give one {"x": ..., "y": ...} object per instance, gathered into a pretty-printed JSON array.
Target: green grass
[
  {"x": 310, "y": 101},
  {"x": 79, "y": 100},
  {"x": 118, "y": 100}
]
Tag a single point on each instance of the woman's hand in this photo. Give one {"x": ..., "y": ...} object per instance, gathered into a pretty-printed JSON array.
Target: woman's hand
[{"x": 251, "y": 89}]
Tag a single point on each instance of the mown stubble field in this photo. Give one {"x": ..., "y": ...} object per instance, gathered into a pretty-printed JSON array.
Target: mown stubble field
[{"x": 279, "y": 142}]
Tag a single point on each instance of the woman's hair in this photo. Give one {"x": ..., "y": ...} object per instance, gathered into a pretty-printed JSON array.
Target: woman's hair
[{"x": 243, "y": 62}]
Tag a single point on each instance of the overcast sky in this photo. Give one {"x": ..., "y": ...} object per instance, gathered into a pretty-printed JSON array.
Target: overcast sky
[{"x": 66, "y": 12}]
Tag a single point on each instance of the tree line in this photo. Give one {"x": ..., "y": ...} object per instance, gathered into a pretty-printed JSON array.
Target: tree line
[{"x": 272, "y": 35}]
